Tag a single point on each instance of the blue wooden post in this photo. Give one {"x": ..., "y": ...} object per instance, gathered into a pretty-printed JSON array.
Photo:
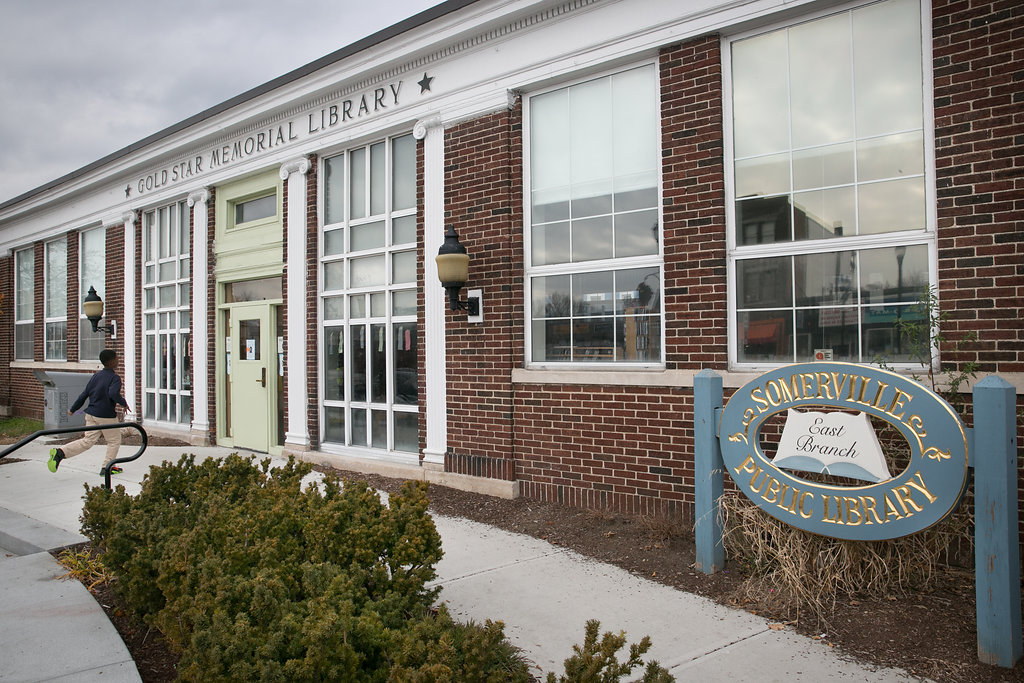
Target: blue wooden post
[
  {"x": 707, "y": 472},
  {"x": 996, "y": 554}
]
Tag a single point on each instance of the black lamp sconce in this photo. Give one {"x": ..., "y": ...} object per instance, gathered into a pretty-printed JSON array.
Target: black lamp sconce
[
  {"x": 92, "y": 306},
  {"x": 453, "y": 271}
]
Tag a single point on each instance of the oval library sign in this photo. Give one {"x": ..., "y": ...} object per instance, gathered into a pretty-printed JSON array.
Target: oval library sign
[{"x": 826, "y": 407}]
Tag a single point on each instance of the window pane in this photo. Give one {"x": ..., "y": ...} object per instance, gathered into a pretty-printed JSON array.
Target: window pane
[
  {"x": 765, "y": 336},
  {"x": 592, "y": 294},
  {"x": 358, "y": 340},
  {"x": 823, "y": 166},
  {"x": 368, "y": 236},
  {"x": 762, "y": 176},
  {"x": 358, "y": 427},
  {"x": 334, "y": 308},
  {"x": 334, "y": 425},
  {"x": 881, "y": 337},
  {"x": 334, "y": 190},
  {"x": 551, "y": 296},
  {"x": 887, "y": 67},
  {"x": 832, "y": 328},
  {"x": 378, "y": 176},
  {"x": 24, "y": 337},
  {"x": 367, "y": 271},
  {"x": 552, "y": 340},
  {"x": 550, "y": 243},
  {"x": 403, "y": 173},
  {"x": 334, "y": 364},
  {"x": 891, "y": 156},
  {"x": 592, "y": 238},
  {"x": 640, "y": 338},
  {"x": 334, "y": 276},
  {"x": 764, "y": 283},
  {"x": 638, "y": 290},
  {"x": 357, "y": 306},
  {"x": 94, "y": 260},
  {"x": 891, "y": 206},
  {"x": 820, "y": 81},
  {"x": 379, "y": 428},
  {"x": 56, "y": 347},
  {"x": 256, "y": 209},
  {"x": 249, "y": 343},
  {"x": 406, "y": 432},
  {"x": 406, "y": 390},
  {"x": 403, "y": 303},
  {"x": 760, "y": 95},
  {"x": 593, "y": 339},
  {"x": 90, "y": 343},
  {"x": 334, "y": 242},
  {"x": 825, "y": 279},
  {"x": 403, "y": 267},
  {"x": 894, "y": 274},
  {"x": 636, "y": 233},
  {"x": 357, "y": 183},
  {"x": 378, "y": 364},
  {"x": 404, "y": 230},
  {"x": 824, "y": 213},
  {"x": 56, "y": 278},
  {"x": 25, "y": 288}
]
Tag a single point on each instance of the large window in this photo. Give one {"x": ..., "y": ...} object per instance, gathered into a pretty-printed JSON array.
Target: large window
[
  {"x": 24, "y": 303},
  {"x": 594, "y": 243},
  {"x": 368, "y": 303},
  {"x": 830, "y": 234},
  {"x": 92, "y": 272},
  {"x": 55, "y": 310},
  {"x": 167, "y": 315}
]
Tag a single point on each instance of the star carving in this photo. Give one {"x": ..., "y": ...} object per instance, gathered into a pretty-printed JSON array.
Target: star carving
[
  {"x": 424, "y": 83},
  {"x": 127, "y": 191}
]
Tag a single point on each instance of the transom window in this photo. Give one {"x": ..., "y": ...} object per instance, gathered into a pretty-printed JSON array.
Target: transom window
[
  {"x": 24, "y": 303},
  {"x": 167, "y": 315},
  {"x": 830, "y": 234},
  {"x": 369, "y": 300},
  {"x": 594, "y": 244}
]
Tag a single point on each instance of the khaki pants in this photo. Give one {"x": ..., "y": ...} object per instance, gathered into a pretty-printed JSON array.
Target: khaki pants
[{"x": 112, "y": 437}]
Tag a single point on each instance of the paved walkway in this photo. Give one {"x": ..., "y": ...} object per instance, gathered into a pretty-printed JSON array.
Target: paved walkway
[{"x": 52, "y": 629}]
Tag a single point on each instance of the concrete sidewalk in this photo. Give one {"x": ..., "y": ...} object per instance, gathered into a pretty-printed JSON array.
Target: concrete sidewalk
[{"x": 52, "y": 629}]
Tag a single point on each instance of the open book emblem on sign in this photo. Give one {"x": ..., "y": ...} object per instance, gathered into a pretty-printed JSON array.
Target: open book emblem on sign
[{"x": 840, "y": 444}]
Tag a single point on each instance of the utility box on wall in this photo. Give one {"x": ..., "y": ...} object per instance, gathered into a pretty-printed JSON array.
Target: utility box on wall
[{"x": 60, "y": 389}]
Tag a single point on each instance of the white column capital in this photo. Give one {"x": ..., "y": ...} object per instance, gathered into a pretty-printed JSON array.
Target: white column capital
[
  {"x": 201, "y": 195},
  {"x": 419, "y": 131},
  {"x": 300, "y": 165},
  {"x": 120, "y": 219}
]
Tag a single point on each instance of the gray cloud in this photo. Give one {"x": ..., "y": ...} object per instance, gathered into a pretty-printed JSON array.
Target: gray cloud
[{"x": 79, "y": 80}]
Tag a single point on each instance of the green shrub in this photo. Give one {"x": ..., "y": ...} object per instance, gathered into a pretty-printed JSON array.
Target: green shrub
[
  {"x": 596, "y": 661},
  {"x": 253, "y": 577}
]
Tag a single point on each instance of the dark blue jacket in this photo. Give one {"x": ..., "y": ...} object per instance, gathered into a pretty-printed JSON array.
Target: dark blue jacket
[{"x": 103, "y": 392}]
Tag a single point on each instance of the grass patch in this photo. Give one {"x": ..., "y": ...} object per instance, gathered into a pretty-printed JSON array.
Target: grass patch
[{"x": 18, "y": 427}]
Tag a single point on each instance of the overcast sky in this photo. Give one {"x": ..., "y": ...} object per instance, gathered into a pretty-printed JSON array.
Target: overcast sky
[{"x": 80, "y": 79}]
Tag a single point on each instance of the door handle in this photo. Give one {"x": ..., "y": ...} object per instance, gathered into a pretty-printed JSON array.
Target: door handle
[{"x": 263, "y": 377}]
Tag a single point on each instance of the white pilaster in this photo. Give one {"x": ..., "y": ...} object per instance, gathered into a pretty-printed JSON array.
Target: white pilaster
[
  {"x": 431, "y": 131},
  {"x": 127, "y": 328},
  {"x": 297, "y": 429},
  {"x": 198, "y": 200}
]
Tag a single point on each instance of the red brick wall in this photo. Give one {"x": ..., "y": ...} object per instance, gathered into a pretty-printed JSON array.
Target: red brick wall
[
  {"x": 73, "y": 299},
  {"x": 6, "y": 324},
  {"x": 693, "y": 182},
  {"x": 211, "y": 317},
  {"x": 979, "y": 155},
  {"x": 483, "y": 200},
  {"x": 312, "y": 388}
]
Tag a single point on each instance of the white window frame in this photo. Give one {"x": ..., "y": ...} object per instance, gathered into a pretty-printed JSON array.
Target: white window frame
[
  {"x": 347, "y": 323},
  {"x": 621, "y": 263},
  {"x": 28, "y": 322},
  {"x": 55, "y": 348},
  {"x": 86, "y": 336},
  {"x": 176, "y": 254},
  {"x": 852, "y": 244}
]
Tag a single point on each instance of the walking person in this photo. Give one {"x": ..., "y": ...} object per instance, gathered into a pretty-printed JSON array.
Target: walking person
[{"x": 105, "y": 406}]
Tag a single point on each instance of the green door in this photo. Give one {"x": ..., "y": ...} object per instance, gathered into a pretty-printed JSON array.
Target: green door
[{"x": 252, "y": 374}]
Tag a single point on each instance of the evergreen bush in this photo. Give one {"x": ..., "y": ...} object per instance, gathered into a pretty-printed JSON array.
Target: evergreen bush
[{"x": 255, "y": 577}]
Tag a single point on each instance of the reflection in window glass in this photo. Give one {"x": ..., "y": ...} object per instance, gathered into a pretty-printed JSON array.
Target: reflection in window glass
[
  {"x": 56, "y": 300},
  {"x": 848, "y": 302}
]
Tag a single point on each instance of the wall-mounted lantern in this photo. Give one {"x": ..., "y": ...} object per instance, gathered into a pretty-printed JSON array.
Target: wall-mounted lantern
[
  {"x": 453, "y": 272},
  {"x": 92, "y": 306}
]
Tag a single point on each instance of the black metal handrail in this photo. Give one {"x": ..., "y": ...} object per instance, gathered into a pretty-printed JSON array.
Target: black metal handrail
[{"x": 88, "y": 428}]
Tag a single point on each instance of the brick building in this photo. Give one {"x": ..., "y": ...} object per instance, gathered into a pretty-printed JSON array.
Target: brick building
[{"x": 645, "y": 189}]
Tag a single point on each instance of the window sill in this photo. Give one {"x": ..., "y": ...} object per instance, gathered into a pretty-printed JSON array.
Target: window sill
[{"x": 91, "y": 366}]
